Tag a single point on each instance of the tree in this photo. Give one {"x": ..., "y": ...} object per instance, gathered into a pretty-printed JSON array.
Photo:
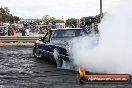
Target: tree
[
  {"x": 5, "y": 15},
  {"x": 0, "y": 18},
  {"x": 59, "y": 21},
  {"x": 11, "y": 18},
  {"x": 52, "y": 19},
  {"x": 16, "y": 19},
  {"x": 45, "y": 17},
  {"x": 7, "y": 11},
  {"x": 71, "y": 21},
  {"x": 2, "y": 11}
]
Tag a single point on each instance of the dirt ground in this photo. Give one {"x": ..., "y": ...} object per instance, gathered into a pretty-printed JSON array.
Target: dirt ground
[{"x": 18, "y": 69}]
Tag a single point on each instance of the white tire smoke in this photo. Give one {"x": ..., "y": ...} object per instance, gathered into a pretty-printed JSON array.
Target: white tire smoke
[{"x": 113, "y": 53}]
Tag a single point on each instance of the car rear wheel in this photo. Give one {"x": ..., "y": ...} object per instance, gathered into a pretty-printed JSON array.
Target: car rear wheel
[{"x": 60, "y": 62}]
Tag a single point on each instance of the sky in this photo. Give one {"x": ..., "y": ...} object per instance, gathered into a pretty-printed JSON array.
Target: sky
[{"x": 57, "y": 8}]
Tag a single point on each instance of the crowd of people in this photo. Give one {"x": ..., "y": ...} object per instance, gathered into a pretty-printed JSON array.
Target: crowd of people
[
  {"x": 12, "y": 31},
  {"x": 9, "y": 31},
  {"x": 25, "y": 31},
  {"x": 89, "y": 26},
  {"x": 40, "y": 27}
]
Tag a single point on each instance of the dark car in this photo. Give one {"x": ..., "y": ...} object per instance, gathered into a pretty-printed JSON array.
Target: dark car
[{"x": 55, "y": 44}]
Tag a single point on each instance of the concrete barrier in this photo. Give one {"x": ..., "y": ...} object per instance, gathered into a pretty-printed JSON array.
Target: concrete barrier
[{"x": 17, "y": 41}]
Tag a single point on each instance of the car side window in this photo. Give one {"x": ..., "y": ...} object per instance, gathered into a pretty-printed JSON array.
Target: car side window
[{"x": 45, "y": 38}]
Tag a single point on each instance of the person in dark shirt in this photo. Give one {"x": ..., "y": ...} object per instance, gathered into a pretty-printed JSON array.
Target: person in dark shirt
[
  {"x": 4, "y": 32},
  {"x": 23, "y": 31},
  {"x": 9, "y": 32}
]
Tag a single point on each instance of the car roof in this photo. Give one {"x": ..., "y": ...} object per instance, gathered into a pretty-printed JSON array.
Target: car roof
[{"x": 67, "y": 29}]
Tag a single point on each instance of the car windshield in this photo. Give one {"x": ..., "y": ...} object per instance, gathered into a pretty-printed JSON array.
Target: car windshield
[{"x": 68, "y": 33}]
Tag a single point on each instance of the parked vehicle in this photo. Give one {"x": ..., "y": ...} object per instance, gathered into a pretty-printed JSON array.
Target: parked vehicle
[{"x": 55, "y": 44}]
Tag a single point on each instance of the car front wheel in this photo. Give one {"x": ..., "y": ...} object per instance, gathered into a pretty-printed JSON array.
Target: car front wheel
[
  {"x": 37, "y": 53},
  {"x": 58, "y": 59}
]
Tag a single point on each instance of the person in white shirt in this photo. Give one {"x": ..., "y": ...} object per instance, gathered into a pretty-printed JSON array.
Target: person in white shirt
[{"x": 27, "y": 31}]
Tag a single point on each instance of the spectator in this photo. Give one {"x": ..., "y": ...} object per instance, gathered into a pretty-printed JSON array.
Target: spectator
[
  {"x": 0, "y": 32},
  {"x": 23, "y": 31},
  {"x": 9, "y": 32},
  {"x": 27, "y": 31},
  {"x": 82, "y": 24},
  {"x": 73, "y": 26},
  {"x": 46, "y": 22},
  {"x": 53, "y": 25},
  {"x": 4, "y": 32},
  {"x": 12, "y": 31},
  {"x": 40, "y": 30}
]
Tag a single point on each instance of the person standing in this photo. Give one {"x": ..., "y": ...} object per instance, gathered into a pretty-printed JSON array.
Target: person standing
[
  {"x": 12, "y": 31},
  {"x": 23, "y": 31},
  {"x": 9, "y": 32},
  {"x": 4, "y": 32},
  {"x": 27, "y": 31}
]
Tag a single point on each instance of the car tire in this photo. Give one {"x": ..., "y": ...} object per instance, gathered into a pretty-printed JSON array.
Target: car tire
[
  {"x": 82, "y": 80},
  {"x": 36, "y": 53},
  {"x": 58, "y": 60}
]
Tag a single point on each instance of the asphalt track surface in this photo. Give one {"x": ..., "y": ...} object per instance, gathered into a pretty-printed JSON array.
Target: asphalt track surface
[{"x": 18, "y": 69}]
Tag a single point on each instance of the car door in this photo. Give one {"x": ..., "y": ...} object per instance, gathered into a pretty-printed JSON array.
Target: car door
[{"x": 47, "y": 44}]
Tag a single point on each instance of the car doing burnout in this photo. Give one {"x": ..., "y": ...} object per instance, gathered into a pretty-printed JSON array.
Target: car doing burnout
[{"x": 55, "y": 45}]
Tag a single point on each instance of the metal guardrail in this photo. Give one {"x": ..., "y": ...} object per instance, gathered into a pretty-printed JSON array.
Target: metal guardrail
[{"x": 16, "y": 41}]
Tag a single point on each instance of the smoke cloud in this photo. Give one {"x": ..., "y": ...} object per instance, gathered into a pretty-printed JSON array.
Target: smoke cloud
[{"x": 113, "y": 52}]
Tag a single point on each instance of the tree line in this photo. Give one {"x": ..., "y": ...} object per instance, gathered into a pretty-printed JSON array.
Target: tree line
[
  {"x": 87, "y": 20},
  {"x": 6, "y": 16}
]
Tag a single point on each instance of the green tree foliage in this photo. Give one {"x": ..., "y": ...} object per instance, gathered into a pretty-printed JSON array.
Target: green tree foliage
[
  {"x": 45, "y": 17},
  {"x": 53, "y": 19},
  {"x": 59, "y": 21},
  {"x": 99, "y": 18},
  {"x": 5, "y": 15},
  {"x": 89, "y": 19},
  {"x": 16, "y": 19},
  {"x": 6, "y": 10},
  {"x": 71, "y": 21},
  {"x": 2, "y": 11}
]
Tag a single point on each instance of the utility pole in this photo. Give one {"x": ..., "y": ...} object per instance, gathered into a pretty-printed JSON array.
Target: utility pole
[{"x": 100, "y": 9}]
